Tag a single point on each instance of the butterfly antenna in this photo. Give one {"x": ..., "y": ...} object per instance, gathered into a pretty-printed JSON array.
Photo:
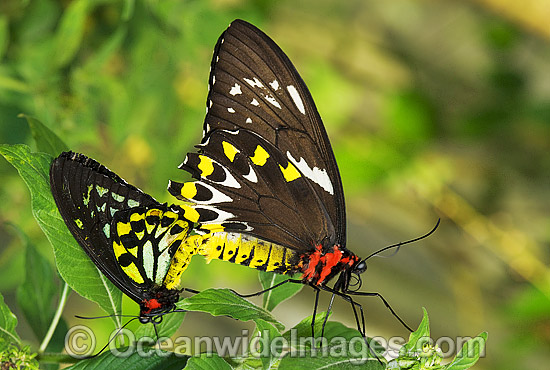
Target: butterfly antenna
[
  {"x": 400, "y": 244},
  {"x": 113, "y": 337},
  {"x": 104, "y": 317},
  {"x": 156, "y": 331}
]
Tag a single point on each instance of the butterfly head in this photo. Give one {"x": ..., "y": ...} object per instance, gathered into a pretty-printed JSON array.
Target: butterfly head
[
  {"x": 156, "y": 304},
  {"x": 350, "y": 275}
]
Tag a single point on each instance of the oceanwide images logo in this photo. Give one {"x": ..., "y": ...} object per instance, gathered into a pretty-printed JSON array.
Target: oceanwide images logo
[{"x": 81, "y": 342}]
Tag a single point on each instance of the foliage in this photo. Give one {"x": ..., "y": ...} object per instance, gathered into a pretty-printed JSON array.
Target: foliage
[
  {"x": 18, "y": 359},
  {"x": 340, "y": 347},
  {"x": 430, "y": 109}
]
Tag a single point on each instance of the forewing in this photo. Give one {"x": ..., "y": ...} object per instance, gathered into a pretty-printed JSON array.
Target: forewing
[
  {"x": 247, "y": 185},
  {"x": 254, "y": 87}
]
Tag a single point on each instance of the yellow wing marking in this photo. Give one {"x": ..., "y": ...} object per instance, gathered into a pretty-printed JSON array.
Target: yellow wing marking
[
  {"x": 260, "y": 156},
  {"x": 229, "y": 150},
  {"x": 190, "y": 213},
  {"x": 290, "y": 173},
  {"x": 206, "y": 166},
  {"x": 123, "y": 228},
  {"x": 133, "y": 273}
]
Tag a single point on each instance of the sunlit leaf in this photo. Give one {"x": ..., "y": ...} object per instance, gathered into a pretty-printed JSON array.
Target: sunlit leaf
[
  {"x": 469, "y": 354},
  {"x": 223, "y": 302}
]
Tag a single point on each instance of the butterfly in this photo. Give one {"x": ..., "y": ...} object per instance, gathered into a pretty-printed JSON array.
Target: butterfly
[
  {"x": 268, "y": 192},
  {"x": 134, "y": 240}
]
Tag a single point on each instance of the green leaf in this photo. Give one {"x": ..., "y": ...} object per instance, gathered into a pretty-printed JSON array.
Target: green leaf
[
  {"x": 275, "y": 296},
  {"x": 418, "y": 338},
  {"x": 70, "y": 32},
  {"x": 270, "y": 350},
  {"x": 46, "y": 140},
  {"x": 170, "y": 323},
  {"x": 223, "y": 302},
  {"x": 151, "y": 359},
  {"x": 303, "y": 328},
  {"x": 469, "y": 354},
  {"x": 340, "y": 346},
  {"x": 207, "y": 361},
  {"x": 72, "y": 262},
  {"x": 36, "y": 295},
  {"x": 328, "y": 362},
  {"x": 8, "y": 322}
]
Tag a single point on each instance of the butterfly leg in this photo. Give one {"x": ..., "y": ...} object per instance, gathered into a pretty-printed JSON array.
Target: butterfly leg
[
  {"x": 359, "y": 322},
  {"x": 315, "y": 313},
  {"x": 295, "y": 281},
  {"x": 375, "y": 294},
  {"x": 329, "y": 309}
]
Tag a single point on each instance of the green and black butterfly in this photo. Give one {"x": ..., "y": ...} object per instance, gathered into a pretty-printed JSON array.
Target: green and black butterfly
[
  {"x": 268, "y": 193},
  {"x": 134, "y": 240}
]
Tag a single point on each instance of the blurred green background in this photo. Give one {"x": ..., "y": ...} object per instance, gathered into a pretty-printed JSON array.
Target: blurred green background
[{"x": 434, "y": 109}]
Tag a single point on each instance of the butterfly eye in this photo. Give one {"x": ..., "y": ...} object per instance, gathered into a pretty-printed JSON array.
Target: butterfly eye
[
  {"x": 360, "y": 267},
  {"x": 144, "y": 319}
]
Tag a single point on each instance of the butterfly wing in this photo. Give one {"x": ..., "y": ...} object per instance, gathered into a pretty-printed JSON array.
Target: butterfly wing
[
  {"x": 256, "y": 93},
  {"x": 114, "y": 222}
]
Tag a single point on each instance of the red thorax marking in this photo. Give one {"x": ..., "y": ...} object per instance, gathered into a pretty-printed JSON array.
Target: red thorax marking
[
  {"x": 314, "y": 258},
  {"x": 329, "y": 260},
  {"x": 152, "y": 304},
  {"x": 326, "y": 261}
]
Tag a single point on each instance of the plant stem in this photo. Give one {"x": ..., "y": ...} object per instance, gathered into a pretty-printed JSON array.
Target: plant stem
[
  {"x": 55, "y": 320},
  {"x": 56, "y": 358}
]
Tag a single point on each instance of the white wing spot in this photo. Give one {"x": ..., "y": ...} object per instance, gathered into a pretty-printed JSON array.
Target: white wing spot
[
  {"x": 315, "y": 174},
  {"x": 148, "y": 259},
  {"x": 249, "y": 120},
  {"x": 213, "y": 80},
  {"x": 272, "y": 100},
  {"x": 253, "y": 83},
  {"x": 217, "y": 196},
  {"x": 296, "y": 98},
  {"x": 236, "y": 90},
  {"x": 231, "y": 110},
  {"x": 251, "y": 175},
  {"x": 274, "y": 85},
  {"x": 210, "y": 104},
  {"x": 255, "y": 102},
  {"x": 222, "y": 215}
]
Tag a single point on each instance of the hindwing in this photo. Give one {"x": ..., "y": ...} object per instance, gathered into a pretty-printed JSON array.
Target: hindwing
[{"x": 129, "y": 236}]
